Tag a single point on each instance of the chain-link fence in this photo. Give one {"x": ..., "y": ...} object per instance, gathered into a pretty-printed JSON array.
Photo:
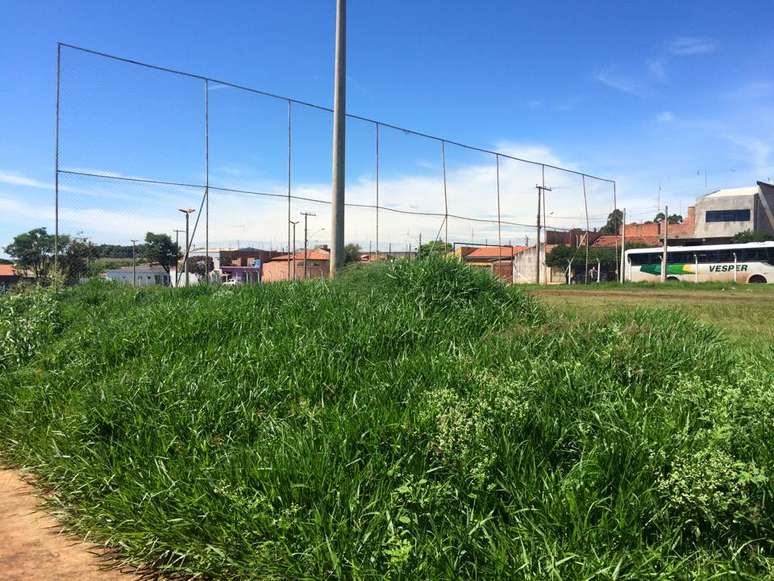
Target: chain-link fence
[{"x": 138, "y": 142}]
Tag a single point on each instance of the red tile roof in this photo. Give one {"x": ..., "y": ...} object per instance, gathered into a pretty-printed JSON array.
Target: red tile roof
[
  {"x": 7, "y": 270},
  {"x": 492, "y": 252}
]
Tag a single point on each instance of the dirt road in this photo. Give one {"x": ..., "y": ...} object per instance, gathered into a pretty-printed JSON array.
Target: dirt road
[{"x": 32, "y": 549}]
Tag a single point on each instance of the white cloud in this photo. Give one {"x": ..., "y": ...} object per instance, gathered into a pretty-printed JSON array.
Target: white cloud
[
  {"x": 753, "y": 90},
  {"x": 692, "y": 45},
  {"x": 14, "y": 179},
  {"x": 619, "y": 82},
  {"x": 657, "y": 70},
  {"x": 665, "y": 117}
]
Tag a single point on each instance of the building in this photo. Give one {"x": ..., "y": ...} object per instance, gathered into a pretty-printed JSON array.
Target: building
[
  {"x": 525, "y": 267},
  {"x": 722, "y": 214},
  {"x": 715, "y": 218},
  {"x": 498, "y": 260},
  {"x": 315, "y": 263},
  {"x": 147, "y": 275},
  {"x": 8, "y": 276}
]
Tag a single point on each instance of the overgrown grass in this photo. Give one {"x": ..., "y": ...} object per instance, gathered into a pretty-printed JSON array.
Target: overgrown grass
[{"x": 413, "y": 420}]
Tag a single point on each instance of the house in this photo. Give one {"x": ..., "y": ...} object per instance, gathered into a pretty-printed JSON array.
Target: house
[
  {"x": 525, "y": 266},
  {"x": 497, "y": 259},
  {"x": 8, "y": 276},
  {"x": 314, "y": 263},
  {"x": 146, "y": 275}
]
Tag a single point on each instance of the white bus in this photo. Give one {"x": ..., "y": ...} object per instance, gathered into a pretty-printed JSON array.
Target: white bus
[{"x": 752, "y": 262}]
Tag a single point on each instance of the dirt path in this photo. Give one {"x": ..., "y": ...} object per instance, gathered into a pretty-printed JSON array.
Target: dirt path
[{"x": 31, "y": 549}]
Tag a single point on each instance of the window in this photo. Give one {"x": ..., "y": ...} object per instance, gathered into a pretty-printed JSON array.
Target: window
[
  {"x": 640, "y": 258},
  {"x": 728, "y": 215}
]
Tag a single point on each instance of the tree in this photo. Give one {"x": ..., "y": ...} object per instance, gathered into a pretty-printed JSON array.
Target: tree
[
  {"x": 673, "y": 219},
  {"x": 614, "y": 221},
  {"x": 433, "y": 247},
  {"x": 751, "y": 236},
  {"x": 34, "y": 251},
  {"x": 160, "y": 249},
  {"x": 352, "y": 253},
  {"x": 76, "y": 254}
]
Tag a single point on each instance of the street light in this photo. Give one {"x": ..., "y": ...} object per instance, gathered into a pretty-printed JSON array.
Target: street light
[
  {"x": 294, "y": 249},
  {"x": 187, "y": 212},
  {"x": 306, "y": 238},
  {"x": 134, "y": 264}
]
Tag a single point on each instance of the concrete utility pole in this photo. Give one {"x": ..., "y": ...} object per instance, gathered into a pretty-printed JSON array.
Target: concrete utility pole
[
  {"x": 187, "y": 212},
  {"x": 339, "y": 132},
  {"x": 664, "y": 254},
  {"x": 134, "y": 263},
  {"x": 293, "y": 254},
  {"x": 306, "y": 239},
  {"x": 541, "y": 194}
]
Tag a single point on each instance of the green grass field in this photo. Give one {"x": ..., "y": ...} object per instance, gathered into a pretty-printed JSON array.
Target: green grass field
[
  {"x": 416, "y": 420},
  {"x": 744, "y": 312}
]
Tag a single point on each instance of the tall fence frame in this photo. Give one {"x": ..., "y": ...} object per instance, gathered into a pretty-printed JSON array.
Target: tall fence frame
[{"x": 289, "y": 196}]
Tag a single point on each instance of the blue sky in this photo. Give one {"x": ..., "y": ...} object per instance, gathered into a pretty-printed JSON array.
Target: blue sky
[{"x": 651, "y": 94}]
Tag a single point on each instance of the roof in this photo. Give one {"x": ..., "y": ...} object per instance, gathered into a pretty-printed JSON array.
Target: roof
[
  {"x": 493, "y": 252},
  {"x": 7, "y": 270},
  {"x": 731, "y": 192},
  {"x": 311, "y": 254}
]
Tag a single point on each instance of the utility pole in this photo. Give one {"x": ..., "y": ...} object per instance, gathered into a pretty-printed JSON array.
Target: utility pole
[
  {"x": 177, "y": 256},
  {"x": 339, "y": 133},
  {"x": 666, "y": 235},
  {"x": 134, "y": 263},
  {"x": 306, "y": 239},
  {"x": 541, "y": 193},
  {"x": 187, "y": 212},
  {"x": 293, "y": 254},
  {"x": 622, "y": 276}
]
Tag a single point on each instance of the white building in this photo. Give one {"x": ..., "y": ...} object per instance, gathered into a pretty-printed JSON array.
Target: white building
[
  {"x": 729, "y": 211},
  {"x": 146, "y": 275}
]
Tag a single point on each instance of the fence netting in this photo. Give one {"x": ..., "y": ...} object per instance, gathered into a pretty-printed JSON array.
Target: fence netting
[{"x": 137, "y": 143}]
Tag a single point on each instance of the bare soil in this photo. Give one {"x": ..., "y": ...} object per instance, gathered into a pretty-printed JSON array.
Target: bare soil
[{"x": 33, "y": 546}]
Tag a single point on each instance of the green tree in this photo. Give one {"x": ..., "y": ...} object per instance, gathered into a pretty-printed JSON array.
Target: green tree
[
  {"x": 614, "y": 221},
  {"x": 673, "y": 219},
  {"x": 751, "y": 236},
  {"x": 434, "y": 247},
  {"x": 76, "y": 255},
  {"x": 160, "y": 249},
  {"x": 352, "y": 253},
  {"x": 34, "y": 251}
]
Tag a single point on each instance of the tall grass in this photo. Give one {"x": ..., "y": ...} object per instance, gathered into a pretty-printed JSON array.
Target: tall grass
[{"x": 412, "y": 420}]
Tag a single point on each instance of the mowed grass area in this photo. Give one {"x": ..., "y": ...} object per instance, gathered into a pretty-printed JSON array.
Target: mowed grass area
[
  {"x": 414, "y": 420},
  {"x": 744, "y": 312}
]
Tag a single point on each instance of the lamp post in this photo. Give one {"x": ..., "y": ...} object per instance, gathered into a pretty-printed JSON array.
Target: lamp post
[
  {"x": 187, "y": 212},
  {"x": 294, "y": 248},
  {"x": 306, "y": 238},
  {"x": 134, "y": 264}
]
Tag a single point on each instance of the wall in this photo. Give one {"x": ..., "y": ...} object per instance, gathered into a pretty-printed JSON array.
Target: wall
[
  {"x": 277, "y": 270},
  {"x": 706, "y": 229}
]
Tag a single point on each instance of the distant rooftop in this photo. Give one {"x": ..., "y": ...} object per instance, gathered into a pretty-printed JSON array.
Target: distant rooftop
[{"x": 744, "y": 191}]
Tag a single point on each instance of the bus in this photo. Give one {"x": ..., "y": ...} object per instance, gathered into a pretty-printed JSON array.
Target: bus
[{"x": 752, "y": 262}]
